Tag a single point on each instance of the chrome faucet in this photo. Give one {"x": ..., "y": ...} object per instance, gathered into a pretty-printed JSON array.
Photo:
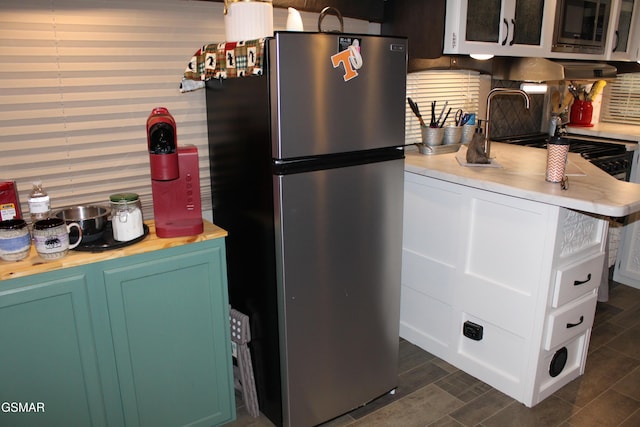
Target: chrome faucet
[{"x": 492, "y": 93}]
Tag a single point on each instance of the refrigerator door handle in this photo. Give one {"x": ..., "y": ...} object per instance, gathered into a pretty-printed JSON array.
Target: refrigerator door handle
[{"x": 333, "y": 161}]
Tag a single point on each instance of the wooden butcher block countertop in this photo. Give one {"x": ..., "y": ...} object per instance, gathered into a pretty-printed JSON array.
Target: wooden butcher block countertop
[{"x": 33, "y": 264}]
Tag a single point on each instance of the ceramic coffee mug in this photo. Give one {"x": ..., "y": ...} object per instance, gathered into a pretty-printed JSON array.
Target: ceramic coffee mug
[
  {"x": 15, "y": 240},
  {"x": 51, "y": 238}
]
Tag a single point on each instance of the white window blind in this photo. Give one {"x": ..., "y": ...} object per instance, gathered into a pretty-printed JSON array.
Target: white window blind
[
  {"x": 78, "y": 80},
  {"x": 621, "y": 100},
  {"x": 460, "y": 88}
]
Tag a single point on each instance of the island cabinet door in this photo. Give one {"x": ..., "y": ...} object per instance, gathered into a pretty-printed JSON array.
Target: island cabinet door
[
  {"x": 627, "y": 268},
  {"x": 48, "y": 364},
  {"x": 169, "y": 321}
]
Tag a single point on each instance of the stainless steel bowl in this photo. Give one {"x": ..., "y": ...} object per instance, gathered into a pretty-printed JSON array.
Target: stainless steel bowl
[{"x": 92, "y": 219}]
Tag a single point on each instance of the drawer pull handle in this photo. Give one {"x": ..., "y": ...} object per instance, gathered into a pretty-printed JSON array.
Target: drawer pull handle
[
  {"x": 578, "y": 282},
  {"x": 573, "y": 325}
]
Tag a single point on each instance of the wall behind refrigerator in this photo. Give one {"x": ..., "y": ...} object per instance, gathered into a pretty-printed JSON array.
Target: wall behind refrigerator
[{"x": 78, "y": 79}]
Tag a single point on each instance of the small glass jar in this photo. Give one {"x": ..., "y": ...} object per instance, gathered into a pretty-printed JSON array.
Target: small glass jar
[{"x": 126, "y": 216}]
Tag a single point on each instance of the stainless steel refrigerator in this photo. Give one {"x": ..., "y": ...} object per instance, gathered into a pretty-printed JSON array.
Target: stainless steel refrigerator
[{"x": 307, "y": 177}]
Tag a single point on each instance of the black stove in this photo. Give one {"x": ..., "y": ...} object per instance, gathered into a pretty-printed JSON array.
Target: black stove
[{"x": 610, "y": 156}]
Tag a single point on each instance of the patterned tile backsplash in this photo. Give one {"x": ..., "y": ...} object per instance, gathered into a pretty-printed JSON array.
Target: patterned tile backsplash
[{"x": 509, "y": 117}]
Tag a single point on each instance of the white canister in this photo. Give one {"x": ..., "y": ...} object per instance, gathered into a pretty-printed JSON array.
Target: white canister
[
  {"x": 294, "y": 20},
  {"x": 126, "y": 216},
  {"x": 248, "y": 19}
]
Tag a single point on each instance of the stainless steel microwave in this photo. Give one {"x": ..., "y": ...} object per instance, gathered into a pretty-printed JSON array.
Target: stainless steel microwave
[{"x": 581, "y": 26}]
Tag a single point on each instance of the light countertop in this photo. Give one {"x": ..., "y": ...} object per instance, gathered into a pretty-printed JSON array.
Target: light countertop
[
  {"x": 522, "y": 175},
  {"x": 33, "y": 264},
  {"x": 609, "y": 130}
]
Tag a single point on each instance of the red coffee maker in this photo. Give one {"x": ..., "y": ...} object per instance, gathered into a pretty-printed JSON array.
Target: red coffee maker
[{"x": 175, "y": 178}]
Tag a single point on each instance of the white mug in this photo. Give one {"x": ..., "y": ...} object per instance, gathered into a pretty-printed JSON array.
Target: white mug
[{"x": 51, "y": 238}]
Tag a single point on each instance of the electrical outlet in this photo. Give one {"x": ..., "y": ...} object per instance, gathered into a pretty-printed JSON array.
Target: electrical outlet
[{"x": 472, "y": 330}]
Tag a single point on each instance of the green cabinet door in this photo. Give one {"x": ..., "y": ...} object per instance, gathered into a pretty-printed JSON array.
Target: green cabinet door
[
  {"x": 48, "y": 366},
  {"x": 169, "y": 320}
]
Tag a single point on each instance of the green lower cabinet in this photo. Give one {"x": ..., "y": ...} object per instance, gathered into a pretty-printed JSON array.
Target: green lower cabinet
[
  {"x": 166, "y": 317},
  {"x": 134, "y": 341},
  {"x": 48, "y": 365}
]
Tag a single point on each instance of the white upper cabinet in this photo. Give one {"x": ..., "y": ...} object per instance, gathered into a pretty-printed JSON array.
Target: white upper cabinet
[
  {"x": 526, "y": 28},
  {"x": 622, "y": 43},
  {"x": 635, "y": 43},
  {"x": 499, "y": 27}
]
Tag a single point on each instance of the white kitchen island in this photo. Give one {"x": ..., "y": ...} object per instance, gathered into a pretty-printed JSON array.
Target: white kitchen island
[{"x": 501, "y": 268}]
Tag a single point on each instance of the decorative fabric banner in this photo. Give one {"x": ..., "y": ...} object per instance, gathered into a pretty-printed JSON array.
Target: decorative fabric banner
[{"x": 224, "y": 60}]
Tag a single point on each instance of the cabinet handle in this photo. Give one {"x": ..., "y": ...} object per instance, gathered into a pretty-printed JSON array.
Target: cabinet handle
[
  {"x": 615, "y": 46},
  {"x": 578, "y": 282},
  {"x": 506, "y": 24},
  {"x": 573, "y": 325},
  {"x": 513, "y": 32}
]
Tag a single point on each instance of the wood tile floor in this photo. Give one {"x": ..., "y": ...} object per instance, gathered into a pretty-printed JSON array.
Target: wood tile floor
[{"x": 433, "y": 393}]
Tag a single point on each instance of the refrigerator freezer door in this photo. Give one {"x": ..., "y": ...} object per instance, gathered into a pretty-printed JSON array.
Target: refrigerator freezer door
[
  {"x": 317, "y": 112},
  {"x": 338, "y": 234}
]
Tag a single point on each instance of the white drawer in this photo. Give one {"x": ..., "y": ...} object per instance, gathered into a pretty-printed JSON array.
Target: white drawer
[
  {"x": 570, "y": 320},
  {"x": 577, "y": 279}
]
